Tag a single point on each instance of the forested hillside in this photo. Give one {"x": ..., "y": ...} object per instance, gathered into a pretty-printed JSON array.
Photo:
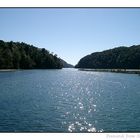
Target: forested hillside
[
  {"x": 16, "y": 55},
  {"x": 117, "y": 58}
]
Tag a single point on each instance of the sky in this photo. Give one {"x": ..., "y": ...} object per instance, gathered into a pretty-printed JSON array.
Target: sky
[{"x": 71, "y": 33}]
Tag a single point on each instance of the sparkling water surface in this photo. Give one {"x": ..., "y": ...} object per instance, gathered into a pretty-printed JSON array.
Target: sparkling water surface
[{"x": 69, "y": 100}]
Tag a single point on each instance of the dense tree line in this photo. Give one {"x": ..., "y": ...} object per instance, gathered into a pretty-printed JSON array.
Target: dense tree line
[
  {"x": 117, "y": 58},
  {"x": 16, "y": 55}
]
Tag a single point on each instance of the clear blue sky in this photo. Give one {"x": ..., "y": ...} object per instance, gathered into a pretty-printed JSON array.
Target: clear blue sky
[{"x": 71, "y": 33}]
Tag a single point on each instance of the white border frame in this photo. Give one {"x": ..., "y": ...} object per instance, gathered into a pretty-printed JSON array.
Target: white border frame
[{"x": 69, "y": 3}]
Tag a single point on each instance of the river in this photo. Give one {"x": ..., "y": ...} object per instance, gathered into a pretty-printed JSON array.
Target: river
[{"x": 69, "y": 100}]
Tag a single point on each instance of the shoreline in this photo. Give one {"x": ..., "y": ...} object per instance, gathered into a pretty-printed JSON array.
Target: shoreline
[
  {"x": 129, "y": 71},
  {"x": 7, "y": 70},
  {"x": 11, "y": 70}
]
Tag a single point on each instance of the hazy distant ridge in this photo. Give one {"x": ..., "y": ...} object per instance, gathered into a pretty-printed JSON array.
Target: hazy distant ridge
[{"x": 65, "y": 64}]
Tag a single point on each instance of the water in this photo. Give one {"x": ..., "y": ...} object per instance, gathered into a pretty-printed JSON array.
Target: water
[{"x": 69, "y": 100}]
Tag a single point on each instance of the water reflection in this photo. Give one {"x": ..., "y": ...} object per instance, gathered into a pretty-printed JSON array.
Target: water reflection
[
  {"x": 69, "y": 101},
  {"x": 80, "y": 103}
]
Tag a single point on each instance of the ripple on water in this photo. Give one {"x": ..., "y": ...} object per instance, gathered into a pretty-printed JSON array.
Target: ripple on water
[
  {"x": 81, "y": 106},
  {"x": 81, "y": 127}
]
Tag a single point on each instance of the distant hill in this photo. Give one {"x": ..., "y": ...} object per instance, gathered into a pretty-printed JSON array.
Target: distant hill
[
  {"x": 116, "y": 58},
  {"x": 16, "y": 55},
  {"x": 65, "y": 64}
]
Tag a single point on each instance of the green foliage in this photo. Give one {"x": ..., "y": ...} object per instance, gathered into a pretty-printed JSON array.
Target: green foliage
[
  {"x": 117, "y": 58},
  {"x": 15, "y": 55}
]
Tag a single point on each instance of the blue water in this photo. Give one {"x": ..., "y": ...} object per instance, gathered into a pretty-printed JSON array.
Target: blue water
[{"x": 69, "y": 100}]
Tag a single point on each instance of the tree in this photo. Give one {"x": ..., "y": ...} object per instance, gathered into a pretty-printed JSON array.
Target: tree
[
  {"x": 117, "y": 58},
  {"x": 24, "y": 56}
]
